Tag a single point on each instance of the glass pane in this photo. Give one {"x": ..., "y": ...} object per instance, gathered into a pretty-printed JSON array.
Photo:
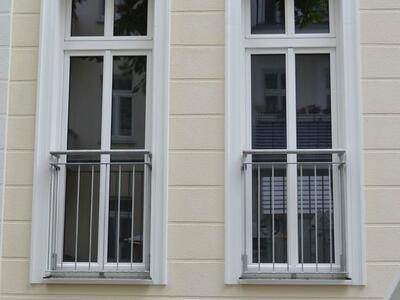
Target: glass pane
[
  {"x": 87, "y": 18},
  {"x": 130, "y": 17},
  {"x": 267, "y": 16},
  {"x": 268, "y": 89},
  {"x": 269, "y": 210},
  {"x": 312, "y": 16},
  {"x": 121, "y": 239},
  {"x": 315, "y": 211},
  {"x": 129, "y": 102},
  {"x": 85, "y": 204},
  {"x": 85, "y": 103},
  {"x": 128, "y": 132},
  {"x": 84, "y": 132},
  {"x": 313, "y": 91}
]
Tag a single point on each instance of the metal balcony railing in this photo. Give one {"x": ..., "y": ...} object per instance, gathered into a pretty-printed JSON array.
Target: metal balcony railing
[
  {"x": 294, "y": 203},
  {"x": 99, "y": 214}
]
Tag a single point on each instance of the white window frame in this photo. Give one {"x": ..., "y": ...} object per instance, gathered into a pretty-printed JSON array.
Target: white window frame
[
  {"x": 343, "y": 45},
  {"x": 56, "y": 46}
]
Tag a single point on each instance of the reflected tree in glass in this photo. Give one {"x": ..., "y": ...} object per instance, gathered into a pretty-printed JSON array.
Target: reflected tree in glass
[
  {"x": 312, "y": 16},
  {"x": 130, "y": 17}
]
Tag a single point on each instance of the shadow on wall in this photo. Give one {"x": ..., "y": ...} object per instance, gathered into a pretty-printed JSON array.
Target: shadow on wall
[{"x": 394, "y": 293}]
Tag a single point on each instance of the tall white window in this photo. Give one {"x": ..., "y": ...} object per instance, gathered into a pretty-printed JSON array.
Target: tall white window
[
  {"x": 106, "y": 181},
  {"x": 292, "y": 189}
]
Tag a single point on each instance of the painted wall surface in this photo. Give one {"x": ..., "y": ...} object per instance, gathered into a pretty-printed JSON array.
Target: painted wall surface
[{"x": 196, "y": 183}]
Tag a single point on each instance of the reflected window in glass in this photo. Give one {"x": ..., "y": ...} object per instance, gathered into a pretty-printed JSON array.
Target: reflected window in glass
[{"x": 267, "y": 16}]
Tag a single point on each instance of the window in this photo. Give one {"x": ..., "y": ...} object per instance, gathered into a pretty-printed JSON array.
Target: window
[
  {"x": 288, "y": 185},
  {"x": 104, "y": 187}
]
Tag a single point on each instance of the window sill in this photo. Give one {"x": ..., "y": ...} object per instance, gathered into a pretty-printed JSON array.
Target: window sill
[
  {"x": 268, "y": 280},
  {"x": 98, "y": 278}
]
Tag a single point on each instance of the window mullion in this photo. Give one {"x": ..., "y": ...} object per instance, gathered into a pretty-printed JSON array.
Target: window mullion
[
  {"x": 109, "y": 19},
  {"x": 105, "y": 159},
  {"x": 290, "y": 22},
  {"x": 291, "y": 159}
]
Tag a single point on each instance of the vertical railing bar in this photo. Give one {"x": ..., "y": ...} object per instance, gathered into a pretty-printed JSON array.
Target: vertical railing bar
[
  {"x": 107, "y": 178},
  {"x": 118, "y": 212},
  {"x": 55, "y": 218},
  {"x": 245, "y": 263},
  {"x": 316, "y": 217},
  {"x": 62, "y": 237},
  {"x": 50, "y": 228},
  {"x": 330, "y": 219},
  {"x": 285, "y": 209},
  {"x": 91, "y": 218},
  {"x": 302, "y": 217},
  {"x": 273, "y": 217},
  {"x": 77, "y": 217},
  {"x": 133, "y": 211},
  {"x": 259, "y": 217},
  {"x": 285, "y": 196}
]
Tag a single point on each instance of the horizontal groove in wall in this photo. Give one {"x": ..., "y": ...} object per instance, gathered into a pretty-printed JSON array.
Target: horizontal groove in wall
[{"x": 196, "y": 223}]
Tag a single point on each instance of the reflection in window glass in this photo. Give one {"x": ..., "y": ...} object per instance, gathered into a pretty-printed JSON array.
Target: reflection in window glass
[
  {"x": 85, "y": 101},
  {"x": 315, "y": 218},
  {"x": 82, "y": 182},
  {"x": 312, "y": 16},
  {"x": 130, "y": 17},
  {"x": 129, "y": 102},
  {"x": 270, "y": 206},
  {"x": 313, "y": 92},
  {"x": 87, "y": 18},
  {"x": 268, "y": 77},
  {"x": 80, "y": 242},
  {"x": 267, "y": 16},
  {"x": 127, "y": 183},
  {"x": 126, "y": 245}
]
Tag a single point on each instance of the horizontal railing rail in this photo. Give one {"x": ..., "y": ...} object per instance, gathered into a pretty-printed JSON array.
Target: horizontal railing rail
[
  {"x": 339, "y": 152},
  {"x": 87, "y": 187},
  {"x": 100, "y": 152},
  {"x": 311, "y": 189}
]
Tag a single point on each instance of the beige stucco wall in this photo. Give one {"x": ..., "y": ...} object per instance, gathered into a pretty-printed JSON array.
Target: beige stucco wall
[{"x": 196, "y": 191}]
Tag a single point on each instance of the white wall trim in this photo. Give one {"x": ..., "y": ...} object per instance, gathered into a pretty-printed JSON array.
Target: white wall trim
[
  {"x": 6, "y": 10},
  {"x": 349, "y": 55},
  {"x": 49, "y": 82}
]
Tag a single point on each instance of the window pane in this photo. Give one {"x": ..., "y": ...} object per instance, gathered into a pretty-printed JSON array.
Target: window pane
[
  {"x": 128, "y": 132},
  {"x": 82, "y": 181},
  {"x": 267, "y": 16},
  {"x": 312, "y": 16},
  {"x": 87, "y": 18},
  {"x": 129, "y": 102},
  {"x": 268, "y": 89},
  {"x": 130, "y": 17},
  {"x": 85, "y": 103},
  {"x": 313, "y": 91}
]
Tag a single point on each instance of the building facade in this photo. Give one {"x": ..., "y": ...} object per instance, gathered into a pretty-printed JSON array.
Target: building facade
[{"x": 199, "y": 149}]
